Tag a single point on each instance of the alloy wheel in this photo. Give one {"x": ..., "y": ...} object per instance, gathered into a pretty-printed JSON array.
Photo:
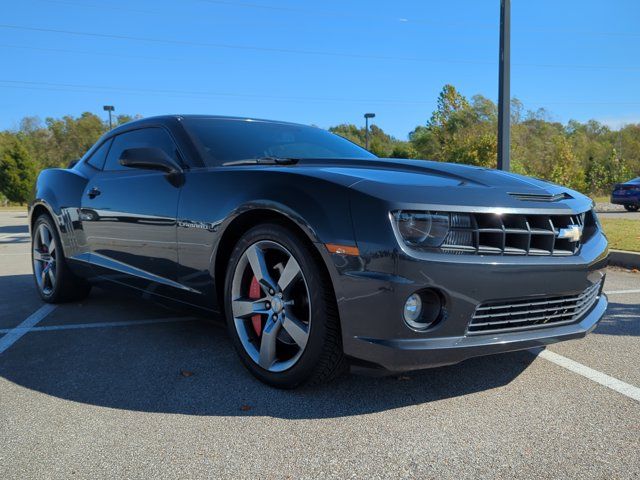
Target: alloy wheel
[
  {"x": 44, "y": 259},
  {"x": 271, "y": 306}
]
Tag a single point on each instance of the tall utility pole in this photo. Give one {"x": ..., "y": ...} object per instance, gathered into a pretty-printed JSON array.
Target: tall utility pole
[
  {"x": 367, "y": 116},
  {"x": 504, "y": 94},
  {"x": 109, "y": 108}
]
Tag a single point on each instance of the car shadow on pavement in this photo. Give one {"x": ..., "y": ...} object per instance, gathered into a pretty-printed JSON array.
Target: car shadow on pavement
[
  {"x": 621, "y": 319},
  {"x": 191, "y": 368},
  {"x": 5, "y": 229}
]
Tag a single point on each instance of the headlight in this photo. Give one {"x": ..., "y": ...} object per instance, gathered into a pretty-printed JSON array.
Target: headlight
[{"x": 422, "y": 229}]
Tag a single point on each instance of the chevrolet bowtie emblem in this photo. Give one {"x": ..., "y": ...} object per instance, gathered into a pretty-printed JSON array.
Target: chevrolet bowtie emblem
[{"x": 571, "y": 233}]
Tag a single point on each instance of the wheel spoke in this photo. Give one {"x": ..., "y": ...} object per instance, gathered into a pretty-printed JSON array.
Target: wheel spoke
[
  {"x": 268, "y": 344},
  {"x": 51, "y": 247},
  {"x": 255, "y": 255},
  {"x": 52, "y": 277},
  {"x": 45, "y": 239},
  {"x": 247, "y": 308},
  {"x": 43, "y": 276},
  {"x": 298, "y": 330},
  {"x": 289, "y": 274},
  {"x": 37, "y": 255}
]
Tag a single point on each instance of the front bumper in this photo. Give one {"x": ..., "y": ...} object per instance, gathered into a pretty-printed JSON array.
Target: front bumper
[
  {"x": 625, "y": 199},
  {"x": 371, "y": 292},
  {"x": 397, "y": 355}
]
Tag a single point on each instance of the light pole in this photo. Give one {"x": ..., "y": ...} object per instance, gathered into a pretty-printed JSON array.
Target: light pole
[
  {"x": 504, "y": 89},
  {"x": 109, "y": 108},
  {"x": 367, "y": 116}
]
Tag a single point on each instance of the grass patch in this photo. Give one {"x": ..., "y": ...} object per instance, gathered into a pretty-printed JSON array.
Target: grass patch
[
  {"x": 623, "y": 233},
  {"x": 13, "y": 208},
  {"x": 601, "y": 198}
]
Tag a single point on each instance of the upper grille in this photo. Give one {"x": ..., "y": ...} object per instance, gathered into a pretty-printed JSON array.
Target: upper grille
[
  {"x": 515, "y": 234},
  {"x": 541, "y": 312}
]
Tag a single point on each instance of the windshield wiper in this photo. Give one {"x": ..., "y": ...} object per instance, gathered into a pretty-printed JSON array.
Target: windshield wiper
[{"x": 263, "y": 161}]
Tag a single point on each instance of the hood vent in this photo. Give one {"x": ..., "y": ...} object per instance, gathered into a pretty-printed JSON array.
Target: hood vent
[{"x": 541, "y": 197}]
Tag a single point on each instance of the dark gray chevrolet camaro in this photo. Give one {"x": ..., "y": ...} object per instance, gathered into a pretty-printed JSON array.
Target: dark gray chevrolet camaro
[{"x": 320, "y": 254}]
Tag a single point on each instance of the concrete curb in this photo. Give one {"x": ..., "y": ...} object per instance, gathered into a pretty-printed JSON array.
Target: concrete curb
[{"x": 622, "y": 258}]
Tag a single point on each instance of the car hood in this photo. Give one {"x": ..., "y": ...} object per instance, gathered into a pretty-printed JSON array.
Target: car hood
[{"x": 415, "y": 183}]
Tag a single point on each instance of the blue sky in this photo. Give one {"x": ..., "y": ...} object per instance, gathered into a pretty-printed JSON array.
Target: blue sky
[{"x": 316, "y": 62}]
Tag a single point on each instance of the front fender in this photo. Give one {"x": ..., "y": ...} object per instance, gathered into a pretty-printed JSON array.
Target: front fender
[{"x": 214, "y": 201}]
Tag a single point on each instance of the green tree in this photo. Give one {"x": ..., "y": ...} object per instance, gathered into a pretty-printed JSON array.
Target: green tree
[
  {"x": 459, "y": 131},
  {"x": 403, "y": 150},
  {"x": 17, "y": 169},
  {"x": 72, "y": 137},
  {"x": 380, "y": 143},
  {"x": 566, "y": 170}
]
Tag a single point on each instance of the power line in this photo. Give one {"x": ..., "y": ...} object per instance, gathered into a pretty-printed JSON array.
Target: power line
[
  {"x": 335, "y": 14},
  {"x": 84, "y": 88},
  {"x": 408, "y": 20},
  {"x": 93, "y": 52},
  {"x": 233, "y": 46},
  {"x": 184, "y": 59},
  {"x": 104, "y": 6},
  {"x": 303, "y": 52}
]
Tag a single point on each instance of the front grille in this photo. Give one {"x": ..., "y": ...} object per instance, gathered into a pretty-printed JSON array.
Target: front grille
[
  {"x": 525, "y": 314},
  {"x": 515, "y": 234}
]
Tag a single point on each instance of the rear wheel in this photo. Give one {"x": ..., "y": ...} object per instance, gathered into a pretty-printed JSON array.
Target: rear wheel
[
  {"x": 54, "y": 281},
  {"x": 632, "y": 208},
  {"x": 280, "y": 309}
]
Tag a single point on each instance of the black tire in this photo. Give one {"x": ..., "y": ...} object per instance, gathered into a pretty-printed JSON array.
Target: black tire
[
  {"x": 66, "y": 286},
  {"x": 631, "y": 208},
  {"x": 322, "y": 358}
]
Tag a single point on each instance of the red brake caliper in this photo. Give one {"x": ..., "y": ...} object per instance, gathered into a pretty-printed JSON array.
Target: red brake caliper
[{"x": 254, "y": 294}]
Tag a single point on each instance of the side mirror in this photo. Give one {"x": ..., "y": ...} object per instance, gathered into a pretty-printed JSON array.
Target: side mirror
[{"x": 149, "y": 158}]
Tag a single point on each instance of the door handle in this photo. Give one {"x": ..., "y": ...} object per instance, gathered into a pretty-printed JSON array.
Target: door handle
[{"x": 94, "y": 192}]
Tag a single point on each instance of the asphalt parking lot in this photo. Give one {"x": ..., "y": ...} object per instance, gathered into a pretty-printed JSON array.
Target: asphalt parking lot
[{"x": 120, "y": 387}]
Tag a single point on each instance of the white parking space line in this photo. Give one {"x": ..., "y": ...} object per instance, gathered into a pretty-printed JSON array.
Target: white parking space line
[
  {"x": 14, "y": 235},
  {"x": 619, "y": 292},
  {"x": 14, "y": 334},
  {"x": 594, "y": 375},
  {"x": 75, "y": 326}
]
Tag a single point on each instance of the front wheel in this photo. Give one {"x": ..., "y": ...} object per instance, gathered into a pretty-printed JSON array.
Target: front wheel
[
  {"x": 631, "y": 208},
  {"x": 280, "y": 309}
]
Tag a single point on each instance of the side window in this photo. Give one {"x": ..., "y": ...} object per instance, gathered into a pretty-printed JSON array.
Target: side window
[
  {"x": 145, "y": 137},
  {"x": 96, "y": 160}
]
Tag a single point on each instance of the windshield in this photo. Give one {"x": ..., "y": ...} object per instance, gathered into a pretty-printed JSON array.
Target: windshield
[{"x": 229, "y": 140}]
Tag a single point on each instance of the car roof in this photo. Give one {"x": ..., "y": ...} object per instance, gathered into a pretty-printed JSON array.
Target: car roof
[{"x": 167, "y": 119}]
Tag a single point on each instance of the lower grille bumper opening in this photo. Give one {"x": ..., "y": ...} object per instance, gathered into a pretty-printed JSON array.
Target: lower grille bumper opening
[{"x": 504, "y": 316}]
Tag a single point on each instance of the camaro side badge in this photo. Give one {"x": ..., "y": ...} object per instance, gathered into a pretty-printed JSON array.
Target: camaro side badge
[
  {"x": 199, "y": 225},
  {"x": 573, "y": 233}
]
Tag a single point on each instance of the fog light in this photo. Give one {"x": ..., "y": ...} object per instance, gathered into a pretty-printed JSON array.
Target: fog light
[
  {"x": 413, "y": 310},
  {"x": 422, "y": 309}
]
